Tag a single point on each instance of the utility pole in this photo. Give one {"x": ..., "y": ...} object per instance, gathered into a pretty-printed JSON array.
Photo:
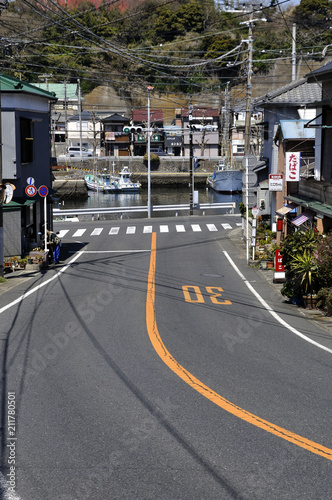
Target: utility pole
[
  {"x": 191, "y": 170},
  {"x": 80, "y": 115},
  {"x": 226, "y": 123},
  {"x": 294, "y": 53},
  {"x": 249, "y": 90},
  {"x": 66, "y": 117},
  {"x": 149, "y": 153}
]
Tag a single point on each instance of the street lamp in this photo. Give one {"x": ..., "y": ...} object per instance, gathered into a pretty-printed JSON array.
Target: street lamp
[{"x": 149, "y": 155}]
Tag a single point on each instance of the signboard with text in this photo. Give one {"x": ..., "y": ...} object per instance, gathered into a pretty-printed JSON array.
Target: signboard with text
[
  {"x": 292, "y": 167},
  {"x": 276, "y": 182}
]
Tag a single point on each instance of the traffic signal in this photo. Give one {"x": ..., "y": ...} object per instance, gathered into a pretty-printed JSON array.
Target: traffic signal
[
  {"x": 129, "y": 129},
  {"x": 197, "y": 163}
]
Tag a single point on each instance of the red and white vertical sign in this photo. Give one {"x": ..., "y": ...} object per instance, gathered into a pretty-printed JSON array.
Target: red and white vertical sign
[
  {"x": 293, "y": 161},
  {"x": 279, "y": 269}
]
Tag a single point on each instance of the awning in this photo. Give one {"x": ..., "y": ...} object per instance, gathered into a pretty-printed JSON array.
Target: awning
[
  {"x": 17, "y": 204},
  {"x": 300, "y": 219},
  {"x": 285, "y": 209},
  {"x": 314, "y": 205}
]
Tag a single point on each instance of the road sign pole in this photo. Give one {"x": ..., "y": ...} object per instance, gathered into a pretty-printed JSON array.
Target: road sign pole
[{"x": 45, "y": 223}]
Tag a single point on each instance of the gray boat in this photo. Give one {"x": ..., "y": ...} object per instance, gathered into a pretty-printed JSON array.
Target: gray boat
[{"x": 225, "y": 180}]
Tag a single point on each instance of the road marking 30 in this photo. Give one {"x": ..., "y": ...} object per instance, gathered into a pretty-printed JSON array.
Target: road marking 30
[
  {"x": 203, "y": 389},
  {"x": 191, "y": 291}
]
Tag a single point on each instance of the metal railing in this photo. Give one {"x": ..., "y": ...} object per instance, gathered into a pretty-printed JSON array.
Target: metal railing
[{"x": 57, "y": 212}]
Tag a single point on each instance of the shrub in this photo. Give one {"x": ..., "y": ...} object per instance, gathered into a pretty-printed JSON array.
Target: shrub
[{"x": 153, "y": 158}]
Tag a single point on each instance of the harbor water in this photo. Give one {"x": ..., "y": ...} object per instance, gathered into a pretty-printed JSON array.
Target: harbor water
[{"x": 159, "y": 196}]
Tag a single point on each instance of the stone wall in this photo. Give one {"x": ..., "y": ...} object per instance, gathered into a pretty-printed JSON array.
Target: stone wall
[{"x": 137, "y": 165}]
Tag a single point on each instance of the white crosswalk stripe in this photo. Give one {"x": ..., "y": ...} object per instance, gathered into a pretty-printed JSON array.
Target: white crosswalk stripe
[
  {"x": 62, "y": 233},
  {"x": 211, "y": 227},
  {"x": 163, "y": 228},
  {"x": 79, "y": 233},
  {"x": 97, "y": 231}
]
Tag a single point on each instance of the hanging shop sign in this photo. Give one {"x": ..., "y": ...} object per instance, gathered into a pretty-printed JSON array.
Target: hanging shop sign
[
  {"x": 276, "y": 182},
  {"x": 292, "y": 167}
]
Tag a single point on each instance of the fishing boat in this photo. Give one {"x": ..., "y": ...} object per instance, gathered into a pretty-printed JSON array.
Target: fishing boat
[
  {"x": 102, "y": 183},
  {"x": 225, "y": 180},
  {"x": 125, "y": 182},
  {"x": 107, "y": 183}
]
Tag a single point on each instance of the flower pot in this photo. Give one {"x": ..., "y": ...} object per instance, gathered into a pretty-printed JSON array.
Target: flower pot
[{"x": 310, "y": 302}]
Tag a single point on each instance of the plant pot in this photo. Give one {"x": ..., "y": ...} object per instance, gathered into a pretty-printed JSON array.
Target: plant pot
[
  {"x": 270, "y": 264},
  {"x": 310, "y": 302}
]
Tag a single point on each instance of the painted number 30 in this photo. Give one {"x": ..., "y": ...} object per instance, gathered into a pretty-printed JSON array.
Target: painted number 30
[{"x": 193, "y": 294}]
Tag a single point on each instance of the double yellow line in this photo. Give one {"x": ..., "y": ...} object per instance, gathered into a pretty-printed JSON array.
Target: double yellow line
[{"x": 204, "y": 390}]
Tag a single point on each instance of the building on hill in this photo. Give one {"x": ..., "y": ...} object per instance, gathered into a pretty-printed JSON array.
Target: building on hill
[{"x": 26, "y": 161}]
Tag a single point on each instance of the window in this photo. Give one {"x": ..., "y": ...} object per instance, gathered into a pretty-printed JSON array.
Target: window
[
  {"x": 26, "y": 140},
  {"x": 240, "y": 148}
]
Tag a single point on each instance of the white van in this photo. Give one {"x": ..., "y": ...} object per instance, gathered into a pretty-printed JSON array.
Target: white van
[{"x": 75, "y": 151}]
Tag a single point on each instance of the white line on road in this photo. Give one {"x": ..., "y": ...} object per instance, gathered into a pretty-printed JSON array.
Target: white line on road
[
  {"x": 147, "y": 229},
  {"x": 114, "y": 230},
  {"x": 62, "y": 233},
  {"x": 196, "y": 227},
  {"x": 211, "y": 227},
  {"x": 163, "y": 229},
  {"x": 226, "y": 226},
  {"x": 180, "y": 228},
  {"x": 271, "y": 311},
  {"x": 97, "y": 231},
  {"x": 79, "y": 233},
  {"x": 131, "y": 230}
]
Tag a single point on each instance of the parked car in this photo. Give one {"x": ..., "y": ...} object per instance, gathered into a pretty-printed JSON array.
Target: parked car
[
  {"x": 76, "y": 151},
  {"x": 158, "y": 151}
]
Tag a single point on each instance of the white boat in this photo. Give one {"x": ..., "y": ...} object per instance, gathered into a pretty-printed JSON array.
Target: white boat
[
  {"x": 225, "y": 180},
  {"x": 125, "y": 182},
  {"x": 107, "y": 183}
]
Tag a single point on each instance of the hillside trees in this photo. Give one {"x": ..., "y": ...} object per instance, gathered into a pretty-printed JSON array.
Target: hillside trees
[{"x": 163, "y": 43}]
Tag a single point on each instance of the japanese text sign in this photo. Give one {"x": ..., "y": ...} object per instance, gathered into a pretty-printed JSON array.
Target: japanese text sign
[{"x": 293, "y": 161}]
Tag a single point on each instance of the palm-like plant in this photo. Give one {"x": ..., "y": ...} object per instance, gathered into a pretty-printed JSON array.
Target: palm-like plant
[{"x": 304, "y": 268}]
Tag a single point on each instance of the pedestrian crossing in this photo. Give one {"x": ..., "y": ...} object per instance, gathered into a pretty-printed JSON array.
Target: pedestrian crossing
[{"x": 148, "y": 229}]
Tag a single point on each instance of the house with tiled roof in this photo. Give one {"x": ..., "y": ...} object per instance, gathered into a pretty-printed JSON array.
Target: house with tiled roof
[
  {"x": 115, "y": 140},
  {"x": 296, "y": 101},
  {"x": 26, "y": 161},
  {"x": 138, "y": 134}
]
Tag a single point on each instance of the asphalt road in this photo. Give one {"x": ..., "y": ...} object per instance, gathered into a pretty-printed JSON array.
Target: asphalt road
[{"x": 147, "y": 366}]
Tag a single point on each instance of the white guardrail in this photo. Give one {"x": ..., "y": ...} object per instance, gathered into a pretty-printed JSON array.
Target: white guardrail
[{"x": 57, "y": 212}]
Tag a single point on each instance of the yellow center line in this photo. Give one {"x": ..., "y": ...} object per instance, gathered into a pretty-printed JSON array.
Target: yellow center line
[{"x": 204, "y": 390}]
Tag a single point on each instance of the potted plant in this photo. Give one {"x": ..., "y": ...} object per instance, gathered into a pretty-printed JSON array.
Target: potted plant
[
  {"x": 305, "y": 269},
  {"x": 22, "y": 263}
]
